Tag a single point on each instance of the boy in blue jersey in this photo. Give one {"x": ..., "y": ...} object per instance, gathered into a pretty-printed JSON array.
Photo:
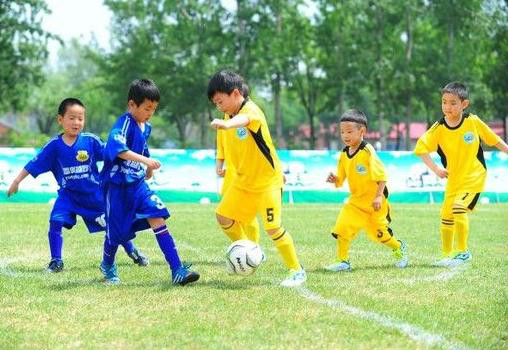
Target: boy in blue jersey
[
  {"x": 72, "y": 158},
  {"x": 130, "y": 204}
]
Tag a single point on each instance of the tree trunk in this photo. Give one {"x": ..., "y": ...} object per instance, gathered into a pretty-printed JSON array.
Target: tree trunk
[
  {"x": 409, "y": 52},
  {"x": 312, "y": 132},
  {"x": 203, "y": 129},
  {"x": 180, "y": 125},
  {"x": 277, "y": 112}
]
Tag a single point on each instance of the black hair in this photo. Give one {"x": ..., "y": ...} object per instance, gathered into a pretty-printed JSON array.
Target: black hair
[
  {"x": 226, "y": 81},
  {"x": 355, "y": 116},
  {"x": 456, "y": 88},
  {"x": 141, "y": 89},
  {"x": 68, "y": 102}
]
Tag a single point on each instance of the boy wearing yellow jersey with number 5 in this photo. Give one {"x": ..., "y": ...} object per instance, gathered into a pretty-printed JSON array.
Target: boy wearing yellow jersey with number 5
[
  {"x": 457, "y": 139},
  {"x": 257, "y": 184},
  {"x": 367, "y": 208}
]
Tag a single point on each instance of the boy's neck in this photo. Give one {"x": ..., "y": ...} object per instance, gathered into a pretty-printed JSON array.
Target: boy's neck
[
  {"x": 241, "y": 102},
  {"x": 69, "y": 139},
  {"x": 354, "y": 148},
  {"x": 453, "y": 122}
]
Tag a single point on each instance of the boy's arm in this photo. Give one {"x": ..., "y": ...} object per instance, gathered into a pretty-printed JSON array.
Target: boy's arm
[
  {"x": 238, "y": 121},
  {"x": 13, "y": 188},
  {"x": 378, "y": 199},
  {"x": 439, "y": 171},
  {"x": 135, "y": 157},
  {"x": 502, "y": 146},
  {"x": 219, "y": 167}
]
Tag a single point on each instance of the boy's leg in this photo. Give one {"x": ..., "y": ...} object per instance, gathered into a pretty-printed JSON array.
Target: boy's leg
[
  {"x": 252, "y": 230},
  {"x": 55, "y": 239},
  {"x": 135, "y": 254},
  {"x": 235, "y": 209},
  {"x": 447, "y": 231},
  {"x": 108, "y": 266},
  {"x": 463, "y": 204}
]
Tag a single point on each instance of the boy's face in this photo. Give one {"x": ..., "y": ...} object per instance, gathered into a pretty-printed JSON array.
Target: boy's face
[
  {"x": 144, "y": 111},
  {"x": 73, "y": 120},
  {"x": 228, "y": 103},
  {"x": 452, "y": 105},
  {"x": 351, "y": 133}
]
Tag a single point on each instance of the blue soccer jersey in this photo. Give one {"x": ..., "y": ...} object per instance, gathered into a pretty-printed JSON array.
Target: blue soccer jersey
[
  {"x": 124, "y": 136},
  {"x": 74, "y": 167}
]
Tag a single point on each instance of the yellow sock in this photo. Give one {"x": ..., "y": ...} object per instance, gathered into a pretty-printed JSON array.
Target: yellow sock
[
  {"x": 447, "y": 236},
  {"x": 234, "y": 231},
  {"x": 385, "y": 237},
  {"x": 284, "y": 244},
  {"x": 461, "y": 231},
  {"x": 252, "y": 230},
  {"x": 343, "y": 249}
]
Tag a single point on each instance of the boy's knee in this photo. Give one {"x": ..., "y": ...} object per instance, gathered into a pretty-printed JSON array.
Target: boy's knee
[
  {"x": 224, "y": 221},
  {"x": 274, "y": 231}
]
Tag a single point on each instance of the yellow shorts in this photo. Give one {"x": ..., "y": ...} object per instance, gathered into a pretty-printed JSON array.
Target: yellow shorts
[
  {"x": 458, "y": 204},
  {"x": 242, "y": 206},
  {"x": 352, "y": 219}
]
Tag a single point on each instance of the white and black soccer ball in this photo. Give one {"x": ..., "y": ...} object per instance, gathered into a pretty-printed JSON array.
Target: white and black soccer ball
[{"x": 243, "y": 257}]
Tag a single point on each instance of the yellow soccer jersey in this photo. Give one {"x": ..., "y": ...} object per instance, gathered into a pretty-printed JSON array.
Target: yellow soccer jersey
[
  {"x": 460, "y": 151},
  {"x": 363, "y": 170},
  {"x": 250, "y": 151}
]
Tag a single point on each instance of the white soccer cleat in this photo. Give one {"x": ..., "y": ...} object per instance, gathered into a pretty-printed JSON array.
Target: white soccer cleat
[
  {"x": 295, "y": 279},
  {"x": 337, "y": 267},
  {"x": 460, "y": 258},
  {"x": 401, "y": 255}
]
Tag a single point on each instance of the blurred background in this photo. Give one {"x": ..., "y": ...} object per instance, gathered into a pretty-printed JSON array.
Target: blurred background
[{"x": 306, "y": 62}]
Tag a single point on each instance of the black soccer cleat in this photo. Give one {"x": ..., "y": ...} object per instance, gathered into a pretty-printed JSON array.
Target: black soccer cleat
[
  {"x": 55, "y": 265},
  {"x": 139, "y": 258}
]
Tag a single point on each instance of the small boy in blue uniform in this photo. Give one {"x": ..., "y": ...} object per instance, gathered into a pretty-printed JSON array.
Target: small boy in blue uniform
[
  {"x": 130, "y": 204},
  {"x": 72, "y": 157}
]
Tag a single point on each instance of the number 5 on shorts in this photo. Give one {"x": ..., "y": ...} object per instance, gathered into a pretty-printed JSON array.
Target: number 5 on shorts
[{"x": 269, "y": 214}]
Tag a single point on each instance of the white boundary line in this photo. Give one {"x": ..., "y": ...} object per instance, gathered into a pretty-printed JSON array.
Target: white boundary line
[
  {"x": 443, "y": 276},
  {"x": 416, "y": 333}
]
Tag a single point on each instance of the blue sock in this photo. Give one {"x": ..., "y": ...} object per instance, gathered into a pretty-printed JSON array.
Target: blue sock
[
  {"x": 129, "y": 247},
  {"x": 55, "y": 239},
  {"x": 108, "y": 257},
  {"x": 168, "y": 247}
]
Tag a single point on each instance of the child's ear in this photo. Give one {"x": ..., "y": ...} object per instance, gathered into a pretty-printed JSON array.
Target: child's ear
[
  {"x": 59, "y": 118},
  {"x": 465, "y": 104}
]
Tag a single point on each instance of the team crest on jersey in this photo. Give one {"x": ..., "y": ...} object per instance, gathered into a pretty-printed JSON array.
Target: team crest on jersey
[
  {"x": 241, "y": 133},
  {"x": 469, "y": 137},
  {"x": 361, "y": 169},
  {"x": 82, "y": 156}
]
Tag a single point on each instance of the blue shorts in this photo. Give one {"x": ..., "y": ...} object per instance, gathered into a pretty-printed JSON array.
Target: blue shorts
[
  {"x": 90, "y": 206},
  {"x": 127, "y": 209}
]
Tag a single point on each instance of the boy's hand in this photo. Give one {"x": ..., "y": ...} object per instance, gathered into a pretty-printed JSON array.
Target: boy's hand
[
  {"x": 331, "y": 178},
  {"x": 221, "y": 172},
  {"x": 218, "y": 124},
  {"x": 441, "y": 173},
  {"x": 152, "y": 164},
  {"x": 13, "y": 188},
  {"x": 149, "y": 173},
  {"x": 376, "y": 203}
]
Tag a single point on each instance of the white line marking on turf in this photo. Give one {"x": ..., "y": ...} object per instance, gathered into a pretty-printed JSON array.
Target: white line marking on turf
[
  {"x": 440, "y": 277},
  {"x": 413, "y": 332}
]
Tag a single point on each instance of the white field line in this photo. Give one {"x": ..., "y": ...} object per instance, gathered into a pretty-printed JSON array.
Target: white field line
[
  {"x": 416, "y": 333},
  {"x": 7, "y": 271},
  {"x": 445, "y": 275}
]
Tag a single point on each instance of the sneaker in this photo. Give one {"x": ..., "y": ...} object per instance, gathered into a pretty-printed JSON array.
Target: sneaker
[
  {"x": 183, "y": 275},
  {"x": 139, "y": 258},
  {"x": 401, "y": 255},
  {"x": 337, "y": 267},
  {"x": 110, "y": 273},
  {"x": 295, "y": 279},
  {"x": 55, "y": 265},
  {"x": 461, "y": 258}
]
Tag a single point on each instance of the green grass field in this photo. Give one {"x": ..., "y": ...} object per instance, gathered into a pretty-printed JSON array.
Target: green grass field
[{"x": 377, "y": 306}]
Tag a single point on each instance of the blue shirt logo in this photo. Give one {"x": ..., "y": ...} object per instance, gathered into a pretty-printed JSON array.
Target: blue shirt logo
[
  {"x": 360, "y": 169},
  {"x": 241, "y": 133},
  {"x": 469, "y": 137}
]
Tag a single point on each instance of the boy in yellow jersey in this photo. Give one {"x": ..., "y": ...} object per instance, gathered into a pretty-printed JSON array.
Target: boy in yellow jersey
[
  {"x": 457, "y": 139},
  {"x": 257, "y": 184},
  {"x": 251, "y": 229},
  {"x": 368, "y": 206}
]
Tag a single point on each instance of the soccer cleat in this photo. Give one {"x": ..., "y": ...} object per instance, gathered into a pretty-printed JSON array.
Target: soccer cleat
[
  {"x": 443, "y": 262},
  {"x": 55, "y": 265},
  {"x": 295, "y": 279},
  {"x": 139, "y": 258},
  {"x": 337, "y": 267},
  {"x": 110, "y": 273},
  {"x": 461, "y": 258},
  {"x": 183, "y": 275},
  {"x": 401, "y": 255}
]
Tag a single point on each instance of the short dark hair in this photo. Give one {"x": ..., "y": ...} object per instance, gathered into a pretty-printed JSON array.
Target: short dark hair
[
  {"x": 355, "y": 116},
  {"x": 226, "y": 81},
  {"x": 456, "y": 88},
  {"x": 68, "y": 102},
  {"x": 141, "y": 89}
]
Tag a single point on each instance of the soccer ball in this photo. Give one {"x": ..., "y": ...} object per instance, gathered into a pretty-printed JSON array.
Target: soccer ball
[{"x": 243, "y": 257}]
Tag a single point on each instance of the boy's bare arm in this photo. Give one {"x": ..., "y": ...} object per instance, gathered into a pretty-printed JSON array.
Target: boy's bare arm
[
  {"x": 219, "y": 167},
  {"x": 135, "y": 157},
  {"x": 238, "y": 121},
  {"x": 378, "y": 199},
  {"x": 440, "y": 172},
  {"x": 502, "y": 146},
  {"x": 13, "y": 188}
]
